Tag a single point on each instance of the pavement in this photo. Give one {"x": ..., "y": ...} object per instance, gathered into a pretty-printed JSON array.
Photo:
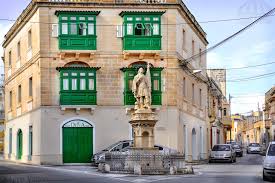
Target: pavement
[{"x": 246, "y": 169}]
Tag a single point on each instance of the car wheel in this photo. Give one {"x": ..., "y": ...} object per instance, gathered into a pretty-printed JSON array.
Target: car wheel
[
  {"x": 235, "y": 159},
  {"x": 210, "y": 161},
  {"x": 265, "y": 178}
]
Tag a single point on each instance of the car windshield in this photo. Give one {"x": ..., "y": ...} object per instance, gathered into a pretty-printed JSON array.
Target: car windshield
[
  {"x": 236, "y": 146},
  {"x": 221, "y": 148},
  {"x": 254, "y": 145},
  {"x": 271, "y": 150},
  {"x": 110, "y": 147}
]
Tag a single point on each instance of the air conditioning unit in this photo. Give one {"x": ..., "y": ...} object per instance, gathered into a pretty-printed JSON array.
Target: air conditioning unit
[
  {"x": 55, "y": 31},
  {"x": 119, "y": 31}
]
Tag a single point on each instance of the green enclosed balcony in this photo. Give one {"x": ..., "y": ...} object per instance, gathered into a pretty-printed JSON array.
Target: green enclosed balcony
[
  {"x": 78, "y": 86},
  {"x": 77, "y": 30},
  {"x": 142, "y": 30}
]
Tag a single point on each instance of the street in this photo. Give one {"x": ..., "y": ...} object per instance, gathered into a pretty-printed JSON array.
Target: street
[{"x": 246, "y": 169}]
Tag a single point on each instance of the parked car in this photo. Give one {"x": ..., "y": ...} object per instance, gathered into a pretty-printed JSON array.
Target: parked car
[
  {"x": 162, "y": 150},
  {"x": 100, "y": 156},
  {"x": 238, "y": 149},
  {"x": 253, "y": 148},
  {"x": 269, "y": 162},
  {"x": 222, "y": 152},
  {"x": 124, "y": 146},
  {"x": 231, "y": 142}
]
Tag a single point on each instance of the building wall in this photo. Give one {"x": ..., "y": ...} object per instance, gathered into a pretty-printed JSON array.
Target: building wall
[{"x": 46, "y": 117}]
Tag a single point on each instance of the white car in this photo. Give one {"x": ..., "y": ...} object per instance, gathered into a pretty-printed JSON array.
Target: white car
[
  {"x": 269, "y": 162},
  {"x": 222, "y": 152},
  {"x": 253, "y": 148}
]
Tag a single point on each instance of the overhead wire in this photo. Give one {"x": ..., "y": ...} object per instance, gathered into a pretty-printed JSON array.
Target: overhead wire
[{"x": 188, "y": 60}]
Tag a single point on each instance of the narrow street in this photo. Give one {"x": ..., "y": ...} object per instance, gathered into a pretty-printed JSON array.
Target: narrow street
[{"x": 246, "y": 169}]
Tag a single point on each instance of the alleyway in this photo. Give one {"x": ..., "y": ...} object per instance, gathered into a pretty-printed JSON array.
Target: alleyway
[{"x": 216, "y": 172}]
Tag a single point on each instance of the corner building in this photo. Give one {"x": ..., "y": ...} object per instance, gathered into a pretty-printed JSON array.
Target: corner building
[{"x": 69, "y": 67}]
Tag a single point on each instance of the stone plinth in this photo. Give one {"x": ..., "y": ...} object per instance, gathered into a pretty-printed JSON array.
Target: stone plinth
[
  {"x": 143, "y": 122},
  {"x": 144, "y": 161}
]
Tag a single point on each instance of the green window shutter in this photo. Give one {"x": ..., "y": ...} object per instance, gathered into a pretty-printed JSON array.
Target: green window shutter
[
  {"x": 78, "y": 86},
  {"x": 129, "y": 75},
  {"x": 156, "y": 86}
]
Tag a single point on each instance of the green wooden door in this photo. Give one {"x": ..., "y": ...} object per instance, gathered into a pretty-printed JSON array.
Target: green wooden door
[
  {"x": 20, "y": 144},
  {"x": 77, "y": 145}
]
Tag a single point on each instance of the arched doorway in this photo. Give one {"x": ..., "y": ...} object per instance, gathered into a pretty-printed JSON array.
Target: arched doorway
[
  {"x": 145, "y": 140},
  {"x": 194, "y": 145},
  {"x": 77, "y": 141},
  {"x": 19, "y": 144}
]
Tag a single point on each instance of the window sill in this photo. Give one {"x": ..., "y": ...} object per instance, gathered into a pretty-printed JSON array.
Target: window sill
[
  {"x": 19, "y": 105},
  {"x": 78, "y": 107},
  {"x": 30, "y": 99},
  {"x": 185, "y": 99}
]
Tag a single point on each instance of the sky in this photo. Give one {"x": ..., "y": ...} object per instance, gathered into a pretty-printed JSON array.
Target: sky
[{"x": 252, "y": 47}]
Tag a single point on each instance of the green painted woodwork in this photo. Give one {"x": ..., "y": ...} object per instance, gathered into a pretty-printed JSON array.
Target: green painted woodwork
[
  {"x": 142, "y": 31},
  {"x": 156, "y": 94},
  {"x": 77, "y": 30},
  {"x": 77, "y": 145},
  {"x": 19, "y": 144},
  {"x": 141, "y": 43},
  {"x": 78, "y": 86}
]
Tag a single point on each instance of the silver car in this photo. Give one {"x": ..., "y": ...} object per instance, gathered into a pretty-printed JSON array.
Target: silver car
[
  {"x": 162, "y": 150},
  {"x": 269, "y": 162},
  {"x": 222, "y": 152},
  {"x": 119, "y": 146}
]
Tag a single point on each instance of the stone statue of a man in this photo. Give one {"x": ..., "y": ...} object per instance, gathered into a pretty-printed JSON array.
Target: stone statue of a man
[{"x": 142, "y": 89}]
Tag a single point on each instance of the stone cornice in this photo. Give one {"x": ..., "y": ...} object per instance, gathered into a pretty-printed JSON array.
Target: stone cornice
[{"x": 34, "y": 4}]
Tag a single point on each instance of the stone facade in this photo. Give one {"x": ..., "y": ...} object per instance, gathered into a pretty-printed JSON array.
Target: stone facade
[
  {"x": 182, "y": 116},
  {"x": 269, "y": 111}
]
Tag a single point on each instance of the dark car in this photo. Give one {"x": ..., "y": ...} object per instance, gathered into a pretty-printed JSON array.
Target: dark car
[{"x": 238, "y": 150}]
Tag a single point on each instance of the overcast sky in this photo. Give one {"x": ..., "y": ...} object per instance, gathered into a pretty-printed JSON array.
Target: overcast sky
[{"x": 252, "y": 47}]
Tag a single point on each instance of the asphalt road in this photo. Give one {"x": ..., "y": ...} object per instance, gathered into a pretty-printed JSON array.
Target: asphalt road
[{"x": 246, "y": 169}]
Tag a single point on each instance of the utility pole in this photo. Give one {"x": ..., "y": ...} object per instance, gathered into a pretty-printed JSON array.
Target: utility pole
[
  {"x": 265, "y": 135},
  {"x": 230, "y": 118}
]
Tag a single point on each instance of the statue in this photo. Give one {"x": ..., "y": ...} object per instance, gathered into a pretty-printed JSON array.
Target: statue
[{"x": 142, "y": 89}]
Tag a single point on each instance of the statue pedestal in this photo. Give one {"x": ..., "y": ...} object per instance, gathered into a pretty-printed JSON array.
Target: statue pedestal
[
  {"x": 143, "y": 122},
  {"x": 143, "y": 157}
]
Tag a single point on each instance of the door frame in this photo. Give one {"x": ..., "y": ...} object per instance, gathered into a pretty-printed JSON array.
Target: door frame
[
  {"x": 194, "y": 145},
  {"x": 71, "y": 119}
]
